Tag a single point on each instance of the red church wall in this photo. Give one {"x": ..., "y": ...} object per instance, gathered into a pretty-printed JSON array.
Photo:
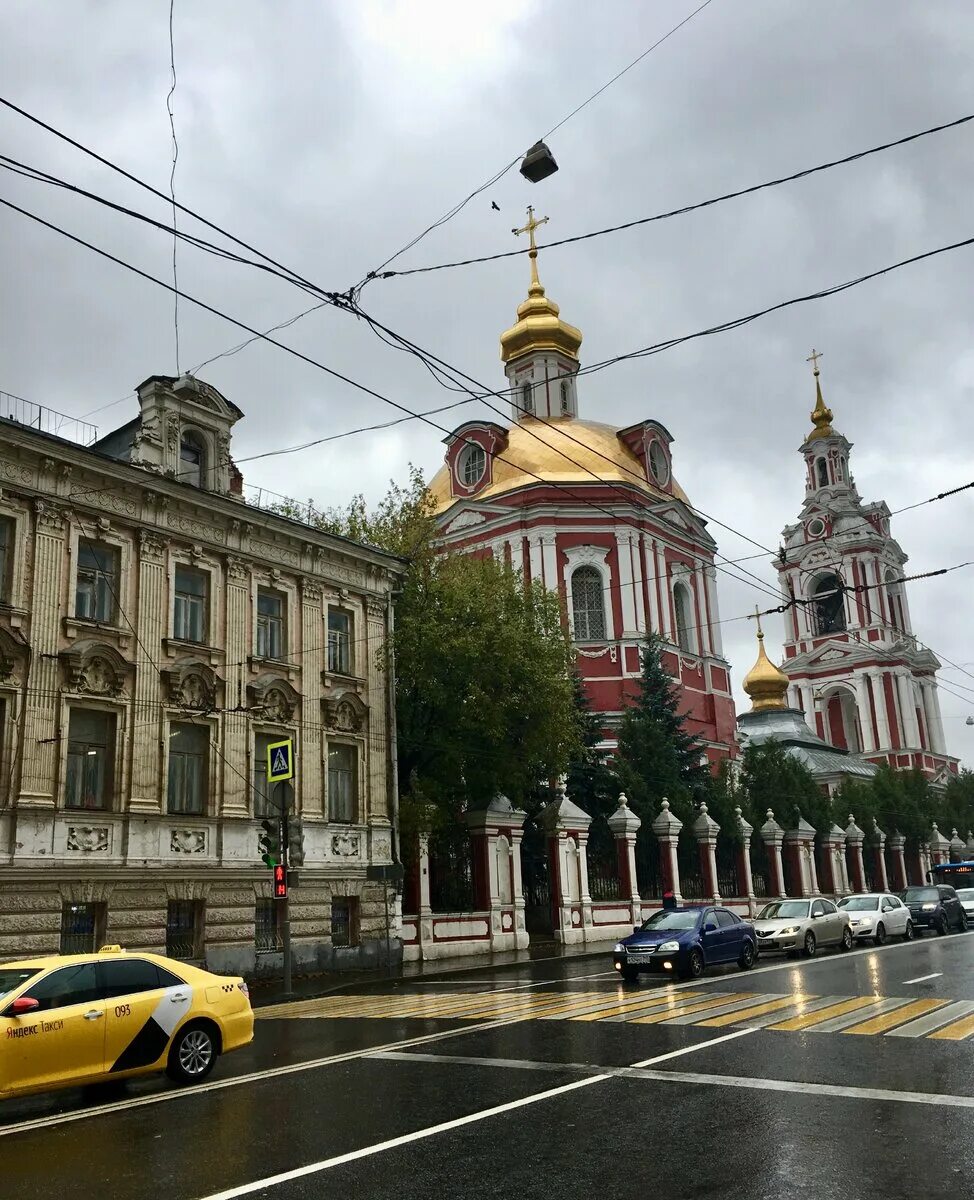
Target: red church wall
[
  {"x": 894, "y": 733},
  {"x": 836, "y": 724}
]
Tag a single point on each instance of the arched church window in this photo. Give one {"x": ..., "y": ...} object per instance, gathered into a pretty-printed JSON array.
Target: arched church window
[
  {"x": 192, "y": 460},
  {"x": 566, "y": 406},
  {"x": 472, "y": 464},
  {"x": 682, "y": 610},
  {"x": 828, "y": 605},
  {"x": 527, "y": 398},
  {"x": 588, "y": 604},
  {"x": 822, "y": 472}
]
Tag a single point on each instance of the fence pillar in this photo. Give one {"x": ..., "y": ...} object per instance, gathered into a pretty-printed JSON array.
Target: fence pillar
[
  {"x": 835, "y": 876},
  {"x": 567, "y": 828},
  {"x": 496, "y": 836},
  {"x": 773, "y": 835},
  {"x": 957, "y": 849},
  {"x": 424, "y": 924},
  {"x": 745, "y": 880},
  {"x": 897, "y": 844},
  {"x": 705, "y": 830},
  {"x": 938, "y": 847},
  {"x": 969, "y": 847},
  {"x": 667, "y": 828},
  {"x": 625, "y": 825},
  {"x": 877, "y": 847},
  {"x": 799, "y": 844},
  {"x": 854, "y": 838}
]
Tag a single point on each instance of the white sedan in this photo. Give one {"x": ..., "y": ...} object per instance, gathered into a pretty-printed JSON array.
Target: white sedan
[
  {"x": 966, "y": 897},
  {"x": 877, "y": 916}
]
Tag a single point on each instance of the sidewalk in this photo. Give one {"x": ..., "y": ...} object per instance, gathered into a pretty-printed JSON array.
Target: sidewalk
[{"x": 309, "y": 987}]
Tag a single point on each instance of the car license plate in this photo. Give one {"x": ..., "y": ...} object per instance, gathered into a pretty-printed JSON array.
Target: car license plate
[{"x": 641, "y": 958}]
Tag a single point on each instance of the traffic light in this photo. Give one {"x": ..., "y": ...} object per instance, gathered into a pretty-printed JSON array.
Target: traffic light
[
  {"x": 295, "y": 842},
  {"x": 269, "y": 842},
  {"x": 280, "y": 882}
]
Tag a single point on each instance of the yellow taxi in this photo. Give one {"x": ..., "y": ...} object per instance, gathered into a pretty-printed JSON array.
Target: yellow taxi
[{"x": 69, "y": 1020}]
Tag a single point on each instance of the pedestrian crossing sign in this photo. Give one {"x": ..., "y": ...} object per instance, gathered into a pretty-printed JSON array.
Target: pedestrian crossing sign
[{"x": 280, "y": 761}]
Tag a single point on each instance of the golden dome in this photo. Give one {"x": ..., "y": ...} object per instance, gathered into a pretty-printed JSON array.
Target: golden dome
[
  {"x": 539, "y": 329},
  {"x": 821, "y": 415},
  {"x": 765, "y": 683},
  {"x": 541, "y": 449}
]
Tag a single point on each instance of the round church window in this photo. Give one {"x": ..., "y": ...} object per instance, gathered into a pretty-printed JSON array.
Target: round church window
[
  {"x": 471, "y": 464},
  {"x": 815, "y": 527},
  {"x": 659, "y": 464}
]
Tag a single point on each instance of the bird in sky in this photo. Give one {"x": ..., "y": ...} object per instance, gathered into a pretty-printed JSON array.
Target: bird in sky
[{"x": 495, "y": 207}]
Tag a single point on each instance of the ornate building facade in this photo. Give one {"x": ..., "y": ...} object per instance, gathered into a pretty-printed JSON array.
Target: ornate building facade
[
  {"x": 594, "y": 513},
  {"x": 857, "y": 672},
  {"x": 156, "y": 634}
]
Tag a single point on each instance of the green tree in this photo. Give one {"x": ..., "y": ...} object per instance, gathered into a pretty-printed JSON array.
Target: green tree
[
  {"x": 484, "y": 696},
  {"x": 773, "y": 778},
  {"x": 657, "y": 756},
  {"x": 591, "y": 782}
]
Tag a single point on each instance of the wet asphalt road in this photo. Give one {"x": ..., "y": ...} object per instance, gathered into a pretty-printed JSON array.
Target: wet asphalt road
[{"x": 841, "y": 1076}]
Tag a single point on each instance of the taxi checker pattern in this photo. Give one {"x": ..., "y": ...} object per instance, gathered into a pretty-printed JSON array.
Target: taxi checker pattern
[{"x": 944, "y": 1020}]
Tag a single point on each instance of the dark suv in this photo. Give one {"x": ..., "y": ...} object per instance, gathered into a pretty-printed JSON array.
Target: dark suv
[{"x": 935, "y": 907}]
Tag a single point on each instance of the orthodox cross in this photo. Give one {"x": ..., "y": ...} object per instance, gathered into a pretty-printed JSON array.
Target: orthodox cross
[
  {"x": 533, "y": 224},
  {"x": 813, "y": 359},
  {"x": 757, "y": 617}
]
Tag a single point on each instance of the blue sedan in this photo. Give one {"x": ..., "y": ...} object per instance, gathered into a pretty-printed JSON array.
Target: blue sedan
[{"x": 685, "y": 941}]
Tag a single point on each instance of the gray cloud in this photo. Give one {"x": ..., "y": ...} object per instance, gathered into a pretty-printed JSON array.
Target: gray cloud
[{"x": 330, "y": 134}]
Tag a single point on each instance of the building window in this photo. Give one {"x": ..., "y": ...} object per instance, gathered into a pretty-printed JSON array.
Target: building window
[
  {"x": 340, "y": 642},
  {"x": 82, "y": 928},
  {"x": 192, "y": 460},
  {"x": 344, "y": 921},
  {"x": 91, "y": 759},
  {"x": 588, "y": 604},
  {"x": 263, "y": 802},
  {"x": 184, "y": 929},
  {"x": 659, "y": 464},
  {"x": 6, "y": 557},
  {"x": 271, "y": 627},
  {"x": 189, "y": 768},
  {"x": 566, "y": 401},
  {"x": 822, "y": 471},
  {"x": 342, "y": 782},
  {"x": 527, "y": 398},
  {"x": 682, "y": 609},
  {"x": 189, "y": 612},
  {"x": 828, "y": 606},
  {"x": 97, "y": 585},
  {"x": 267, "y": 927},
  {"x": 472, "y": 464}
]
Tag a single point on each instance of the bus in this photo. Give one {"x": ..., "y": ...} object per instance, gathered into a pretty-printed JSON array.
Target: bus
[{"x": 957, "y": 874}]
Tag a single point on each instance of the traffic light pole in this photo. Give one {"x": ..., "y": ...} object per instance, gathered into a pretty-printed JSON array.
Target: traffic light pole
[{"x": 285, "y": 796}]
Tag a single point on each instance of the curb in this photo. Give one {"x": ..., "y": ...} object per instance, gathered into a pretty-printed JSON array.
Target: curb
[{"x": 442, "y": 973}]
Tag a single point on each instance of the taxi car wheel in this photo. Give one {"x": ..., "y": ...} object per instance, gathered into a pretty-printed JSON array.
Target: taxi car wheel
[
  {"x": 847, "y": 938},
  {"x": 193, "y": 1054},
  {"x": 880, "y": 938},
  {"x": 809, "y": 947}
]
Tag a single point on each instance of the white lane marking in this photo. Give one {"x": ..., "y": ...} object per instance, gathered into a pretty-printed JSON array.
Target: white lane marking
[
  {"x": 252, "y": 1077},
  {"x": 257, "y": 1185},
  {"x": 924, "y": 978},
  {"x": 815, "y": 1089}
]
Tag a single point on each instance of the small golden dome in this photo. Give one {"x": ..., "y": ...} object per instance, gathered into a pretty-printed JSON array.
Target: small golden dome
[
  {"x": 765, "y": 683},
  {"x": 821, "y": 415},
  {"x": 539, "y": 329}
]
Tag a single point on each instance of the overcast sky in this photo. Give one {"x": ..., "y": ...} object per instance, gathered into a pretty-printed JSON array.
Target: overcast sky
[{"x": 329, "y": 134}]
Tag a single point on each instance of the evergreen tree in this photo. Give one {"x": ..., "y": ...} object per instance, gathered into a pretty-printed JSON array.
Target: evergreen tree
[
  {"x": 591, "y": 782},
  {"x": 657, "y": 756},
  {"x": 772, "y": 778}
]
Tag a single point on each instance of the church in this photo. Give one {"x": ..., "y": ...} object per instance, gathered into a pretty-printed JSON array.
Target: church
[{"x": 595, "y": 513}]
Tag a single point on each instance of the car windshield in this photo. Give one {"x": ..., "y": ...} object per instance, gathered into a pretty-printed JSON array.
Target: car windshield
[
  {"x": 859, "y": 903},
  {"x": 680, "y": 919},
  {"x": 965, "y": 894},
  {"x": 12, "y": 977},
  {"x": 919, "y": 893},
  {"x": 784, "y": 908}
]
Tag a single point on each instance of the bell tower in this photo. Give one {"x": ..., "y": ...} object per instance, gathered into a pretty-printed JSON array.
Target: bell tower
[
  {"x": 857, "y": 671},
  {"x": 540, "y": 351}
]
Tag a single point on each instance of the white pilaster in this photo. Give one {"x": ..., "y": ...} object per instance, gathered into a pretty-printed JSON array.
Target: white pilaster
[
  {"x": 638, "y": 588},
  {"x": 908, "y": 712},
  {"x": 865, "y": 715},
  {"x": 626, "y": 597},
  {"x": 882, "y": 720},
  {"x": 649, "y": 578},
  {"x": 535, "y": 567},
  {"x": 716, "y": 636},
  {"x": 549, "y": 557},
  {"x": 705, "y": 638}
]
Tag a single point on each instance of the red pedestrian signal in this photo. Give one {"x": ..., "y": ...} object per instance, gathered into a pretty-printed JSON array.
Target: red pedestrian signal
[{"x": 280, "y": 882}]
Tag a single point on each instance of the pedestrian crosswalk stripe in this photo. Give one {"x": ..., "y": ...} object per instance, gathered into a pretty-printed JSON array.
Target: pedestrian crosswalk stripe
[
  {"x": 865, "y": 1016},
  {"x": 837, "y": 1009},
  {"x": 899, "y": 1016}
]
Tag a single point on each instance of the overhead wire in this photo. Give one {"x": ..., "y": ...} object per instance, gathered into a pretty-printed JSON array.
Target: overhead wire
[{"x": 172, "y": 177}]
